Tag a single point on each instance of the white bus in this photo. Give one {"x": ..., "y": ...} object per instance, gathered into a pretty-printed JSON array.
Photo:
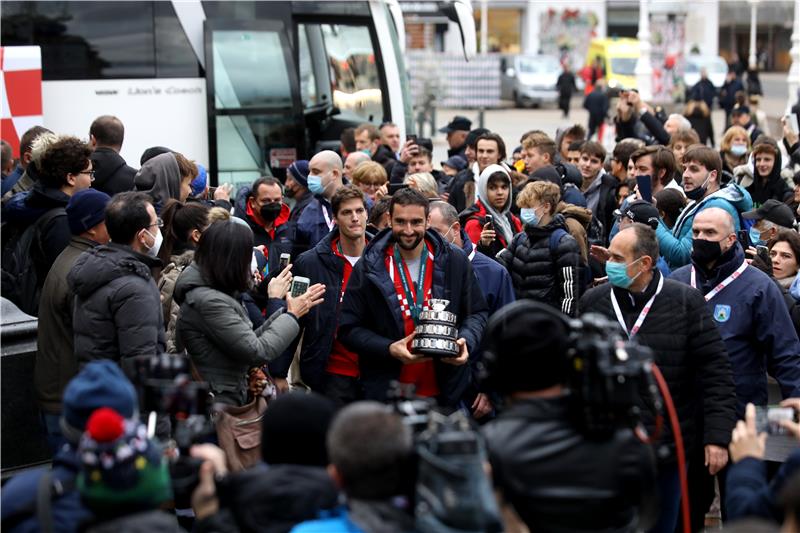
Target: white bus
[{"x": 244, "y": 87}]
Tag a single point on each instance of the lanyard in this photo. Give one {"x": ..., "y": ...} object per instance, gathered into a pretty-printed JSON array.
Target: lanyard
[
  {"x": 727, "y": 281},
  {"x": 328, "y": 221},
  {"x": 414, "y": 304},
  {"x": 639, "y": 321},
  {"x": 472, "y": 253}
]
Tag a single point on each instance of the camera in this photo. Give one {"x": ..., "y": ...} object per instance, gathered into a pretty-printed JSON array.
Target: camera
[
  {"x": 606, "y": 375},
  {"x": 178, "y": 410}
]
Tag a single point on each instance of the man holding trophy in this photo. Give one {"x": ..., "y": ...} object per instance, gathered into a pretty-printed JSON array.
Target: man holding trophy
[{"x": 413, "y": 310}]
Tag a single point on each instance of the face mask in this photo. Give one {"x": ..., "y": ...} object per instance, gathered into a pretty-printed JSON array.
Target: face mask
[
  {"x": 158, "y": 238},
  {"x": 618, "y": 274},
  {"x": 269, "y": 212},
  {"x": 529, "y": 216},
  {"x": 738, "y": 149},
  {"x": 755, "y": 237},
  {"x": 367, "y": 151},
  {"x": 705, "y": 252},
  {"x": 315, "y": 184},
  {"x": 451, "y": 241},
  {"x": 698, "y": 192}
]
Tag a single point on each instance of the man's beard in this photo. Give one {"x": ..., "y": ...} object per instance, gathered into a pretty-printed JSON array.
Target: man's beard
[
  {"x": 399, "y": 240},
  {"x": 289, "y": 193}
]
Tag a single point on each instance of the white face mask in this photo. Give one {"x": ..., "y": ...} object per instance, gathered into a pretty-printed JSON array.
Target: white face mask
[{"x": 158, "y": 238}]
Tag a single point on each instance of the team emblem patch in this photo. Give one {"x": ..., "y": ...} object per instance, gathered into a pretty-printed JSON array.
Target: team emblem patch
[{"x": 722, "y": 313}]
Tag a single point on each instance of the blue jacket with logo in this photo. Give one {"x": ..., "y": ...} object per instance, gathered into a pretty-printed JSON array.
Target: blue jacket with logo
[{"x": 755, "y": 325}]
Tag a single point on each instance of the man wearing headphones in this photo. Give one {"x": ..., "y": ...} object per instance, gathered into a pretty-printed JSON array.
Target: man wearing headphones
[{"x": 556, "y": 478}]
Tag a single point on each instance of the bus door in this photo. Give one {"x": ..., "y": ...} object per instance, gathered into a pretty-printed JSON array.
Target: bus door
[
  {"x": 255, "y": 118},
  {"x": 341, "y": 71}
]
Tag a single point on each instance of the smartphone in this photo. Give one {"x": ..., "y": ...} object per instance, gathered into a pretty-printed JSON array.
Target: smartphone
[
  {"x": 299, "y": 286},
  {"x": 768, "y": 419},
  {"x": 211, "y": 191},
  {"x": 394, "y": 187},
  {"x": 411, "y": 137},
  {"x": 791, "y": 119},
  {"x": 744, "y": 238},
  {"x": 284, "y": 261},
  {"x": 763, "y": 253},
  {"x": 488, "y": 220},
  {"x": 645, "y": 186}
]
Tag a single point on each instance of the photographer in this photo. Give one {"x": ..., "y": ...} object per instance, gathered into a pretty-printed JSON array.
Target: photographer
[{"x": 555, "y": 477}]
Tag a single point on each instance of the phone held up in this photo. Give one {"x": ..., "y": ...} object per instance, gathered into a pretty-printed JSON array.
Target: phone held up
[{"x": 299, "y": 286}]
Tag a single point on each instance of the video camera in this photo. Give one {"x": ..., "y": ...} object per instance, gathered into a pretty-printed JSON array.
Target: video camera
[
  {"x": 606, "y": 375},
  {"x": 177, "y": 409}
]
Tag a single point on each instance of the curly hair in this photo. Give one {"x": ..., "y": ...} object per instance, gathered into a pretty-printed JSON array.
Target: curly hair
[
  {"x": 541, "y": 191},
  {"x": 68, "y": 155}
]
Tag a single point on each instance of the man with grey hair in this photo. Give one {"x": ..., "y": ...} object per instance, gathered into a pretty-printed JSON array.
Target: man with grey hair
[
  {"x": 324, "y": 179},
  {"x": 370, "y": 449},
  {"x": 677, "y": 122},
  {"x": 673, "y": 321},
  {"x": 493, "y": 279},
  {"x": 352, "y": 161},
  {"x": 750, "y": 314}
]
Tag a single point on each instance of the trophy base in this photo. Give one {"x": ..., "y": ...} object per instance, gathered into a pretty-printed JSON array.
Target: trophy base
[{"x": 433, "y": 347}]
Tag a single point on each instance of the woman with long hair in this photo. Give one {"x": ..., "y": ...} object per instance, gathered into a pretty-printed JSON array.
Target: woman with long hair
[{"x": 213, "y": 326}]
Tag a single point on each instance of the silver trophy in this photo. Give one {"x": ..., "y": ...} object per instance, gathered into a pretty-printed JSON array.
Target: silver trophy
[{"x": 436, "y": 332}]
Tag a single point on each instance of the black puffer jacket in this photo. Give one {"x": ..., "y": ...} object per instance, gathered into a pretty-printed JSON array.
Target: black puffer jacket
[
  {"x": 558, "y": 480},
  {"x": 117, "y": 311},
  {"x": 688, "y": 350},
  {"x": 542, "y": 274},
  {"x": 111, "y": 174}
]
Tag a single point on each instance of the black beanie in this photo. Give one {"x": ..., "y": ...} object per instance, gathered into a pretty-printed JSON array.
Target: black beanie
[
  {"x": 546, "y": 173},
  {"x": 294, "y": 429}
]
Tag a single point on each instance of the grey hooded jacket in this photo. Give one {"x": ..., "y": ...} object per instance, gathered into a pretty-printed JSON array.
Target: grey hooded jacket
[
  {"x": 214, "y": 329},
  {"x": 160, "y": 177}
]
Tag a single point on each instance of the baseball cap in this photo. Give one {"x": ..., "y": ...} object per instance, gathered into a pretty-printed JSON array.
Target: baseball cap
[
  {"x": 640, "y": 211},
  {"x": 774, "y": 211},
  {"x": 457, "y": 162},
  {"x": 458, "y": 123},
  {"x": 740, "y": 109}
]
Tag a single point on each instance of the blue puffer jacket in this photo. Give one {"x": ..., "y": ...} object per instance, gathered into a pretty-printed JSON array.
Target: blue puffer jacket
[
  {"x": 18, "y": 502},
  {"x": 755, "y": 325},
  {"x": 371, "y": 318},
  {"x": 676, "y": 244}
]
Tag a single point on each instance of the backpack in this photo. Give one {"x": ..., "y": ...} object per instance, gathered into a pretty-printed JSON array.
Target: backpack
[
  {"x": 555, "y": 238},
  {"x": 22, "y": 255}
]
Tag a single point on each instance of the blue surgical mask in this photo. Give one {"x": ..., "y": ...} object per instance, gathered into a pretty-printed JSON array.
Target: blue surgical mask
[
  {"x": 529, "y": 216},
  {"x": 738, "y": 149},
  {"x": 755, "y": 237},
  {"x": 315, "y": 184},
  {"x": 618, "y": 274}
]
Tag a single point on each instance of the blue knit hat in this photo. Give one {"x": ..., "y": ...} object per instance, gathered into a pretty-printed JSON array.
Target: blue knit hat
[
  {"x": 199, "y": 183},
  {"x": 86, "y": 209},
  {"x": 299, "y": 171},
  {"x": 100, "y": 384}
]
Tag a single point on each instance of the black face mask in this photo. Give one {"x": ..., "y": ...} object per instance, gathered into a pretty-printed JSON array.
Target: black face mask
[
  {"x": 269, "y": 212},
  {"x": 705, "y": 252}
]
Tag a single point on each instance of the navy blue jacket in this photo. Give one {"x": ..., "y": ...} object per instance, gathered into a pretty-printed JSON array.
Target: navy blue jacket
[
  {"x": 750, "y": 494},
  {"x": 755, "y": 325},
  {"x": 494, "y": 280},
  {"x": 371, "y": 319},
  {"x": 311, "y": 226},
  {"x": 18, "y": 501},
  {"x": 320, "y": 265}
]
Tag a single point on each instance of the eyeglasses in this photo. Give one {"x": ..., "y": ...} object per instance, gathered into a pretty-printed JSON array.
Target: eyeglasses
[
  {"x": 159, "y": 223},
  {"x": 89, "y": 172}
]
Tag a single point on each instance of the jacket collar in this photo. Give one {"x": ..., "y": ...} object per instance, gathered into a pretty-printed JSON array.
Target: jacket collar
[
  {"x": 150, "y": 262},
  {"x": 636, "y": 300}
]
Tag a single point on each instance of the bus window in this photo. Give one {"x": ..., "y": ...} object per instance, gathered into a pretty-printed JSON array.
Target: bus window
[
  {"x": 249, "y": 70},
  {"x": 355, "y": 81},
  {"x": 308, "y": 81}
]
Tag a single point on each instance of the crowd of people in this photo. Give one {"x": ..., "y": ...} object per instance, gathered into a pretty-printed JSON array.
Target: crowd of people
[{"x": 296, "y": 302}]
